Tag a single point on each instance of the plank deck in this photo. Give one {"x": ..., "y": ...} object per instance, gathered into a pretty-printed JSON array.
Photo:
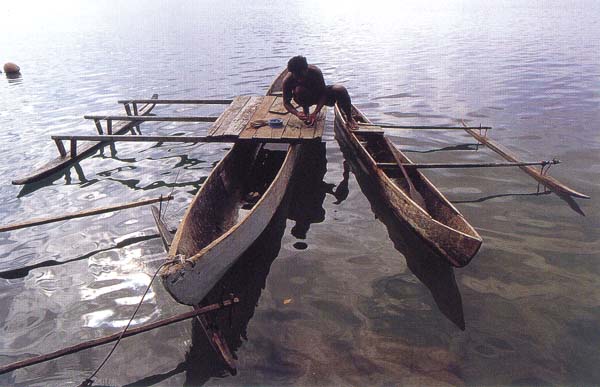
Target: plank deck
[
  {"x": 220, "y": 125},
  {"x": 237, "y": 119}
]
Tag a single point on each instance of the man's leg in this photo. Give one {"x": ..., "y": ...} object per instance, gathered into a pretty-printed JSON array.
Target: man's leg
[{"x": 343, "y": 99}]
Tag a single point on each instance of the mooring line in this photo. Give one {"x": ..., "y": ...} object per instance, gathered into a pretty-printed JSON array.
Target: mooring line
[{"x": 89, "y": 381}]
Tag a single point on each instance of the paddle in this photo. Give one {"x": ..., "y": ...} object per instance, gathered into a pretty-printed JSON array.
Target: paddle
[{"x": 412, "y": 191}]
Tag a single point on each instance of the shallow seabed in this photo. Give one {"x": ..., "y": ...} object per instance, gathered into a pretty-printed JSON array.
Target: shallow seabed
[{"x": 333, "y": 296}]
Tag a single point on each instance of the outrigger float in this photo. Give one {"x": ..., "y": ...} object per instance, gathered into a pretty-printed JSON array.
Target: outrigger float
[{"x": 244, "y": 190}]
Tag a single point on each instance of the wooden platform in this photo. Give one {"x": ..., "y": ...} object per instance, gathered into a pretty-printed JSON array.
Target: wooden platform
[{"x": 237, "y": 119}]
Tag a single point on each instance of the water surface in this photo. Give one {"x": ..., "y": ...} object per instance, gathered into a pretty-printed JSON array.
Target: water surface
[{"x": 335, "y": 296}]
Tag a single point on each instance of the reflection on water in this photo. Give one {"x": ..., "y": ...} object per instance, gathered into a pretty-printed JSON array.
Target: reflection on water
[
  {"x": 360, "y": 314},
  {"x": 309, "y": 189},
  {"x": 431, "y": 269}
]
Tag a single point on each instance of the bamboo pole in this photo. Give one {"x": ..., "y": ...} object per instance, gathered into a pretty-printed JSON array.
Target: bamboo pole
[
  {"x": 122, "y": 138},
  {"x": 81, "y": 214},
  {"x": 179, "y": 101},
  {"x": 114, "y": 337},
  {"x": 188, "y": 139},
  {"x": 424, "y": 127},
  {"x": 549, "y": 182},
  {"x": 110, "y": 118},
  {"x": 469, "y": 165}
]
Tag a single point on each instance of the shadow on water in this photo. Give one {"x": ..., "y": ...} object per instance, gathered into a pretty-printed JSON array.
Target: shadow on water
[
  {"x": 490, "y": 197},
  {"x": 49, "y": 180},
  {"x": 431, "y": 269},
  {"x": 66, "y": 174},
  {"x": 309, "y": 189},
  {"x": 247, "y": 278},
  {"x": 24, "y": 271},
  {"x": 459, "y": 147}
]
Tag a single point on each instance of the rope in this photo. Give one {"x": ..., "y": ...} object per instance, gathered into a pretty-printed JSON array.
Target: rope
[{"x": 89, "y": 381}]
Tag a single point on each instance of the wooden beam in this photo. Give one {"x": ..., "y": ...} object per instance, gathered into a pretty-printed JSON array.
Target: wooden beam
[
  {"x": 98, "y": 126},
  {"x": 152, "y": 118},
  {"x": 163, "y": 230},
  {"x": 73, "y": 148},
  {"x": 81, "y": 214},
  {"x": 186, "y": 139},
  {"x": 116, "y": 336},
  {"x": 467, "y": 165},
  {"x": 61, "y": 148},
  {"x": 552, "y": 184},
  {"x": 424, "y": 127},
  {"x": 179, "y": 101}
]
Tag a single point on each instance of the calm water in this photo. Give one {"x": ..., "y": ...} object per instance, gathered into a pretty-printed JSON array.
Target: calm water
[{"x": 340, "y": 298}]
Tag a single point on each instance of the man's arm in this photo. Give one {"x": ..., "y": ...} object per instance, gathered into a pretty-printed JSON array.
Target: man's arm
[
  {"x": 321, "y": 90},
  {"x": 287, "y": 95}
]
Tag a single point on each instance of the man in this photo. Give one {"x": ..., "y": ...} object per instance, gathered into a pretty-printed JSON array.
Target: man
[{"x": 305, "y": 84}]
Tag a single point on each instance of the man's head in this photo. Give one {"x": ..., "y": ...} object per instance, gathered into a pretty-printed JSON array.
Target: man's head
[{"x": 297, "y": 66}]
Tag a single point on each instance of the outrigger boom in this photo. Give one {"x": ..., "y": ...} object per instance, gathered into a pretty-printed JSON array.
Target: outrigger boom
[{"x": 552, "y": 184}]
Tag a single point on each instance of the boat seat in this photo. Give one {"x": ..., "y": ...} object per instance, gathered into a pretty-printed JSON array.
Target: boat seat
[
  {"x": 375, "y": 130},
  {"x": 388, "y": 165}
]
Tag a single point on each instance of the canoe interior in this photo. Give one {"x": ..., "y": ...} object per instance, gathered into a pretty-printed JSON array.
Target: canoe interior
[
  {"x": 379, "y": 150},
  {"x": 235, "y": 185}
]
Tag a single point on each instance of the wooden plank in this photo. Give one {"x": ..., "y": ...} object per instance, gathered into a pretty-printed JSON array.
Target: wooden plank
[
  {"x": 320, "y": 126},
  {"x": 552, "y": 184},
  {"x": 81, "y": 214},
  {"x": 107, "y": 339},
  {"x": 260, "y": 114},
  {"x": 277, "y": 133},
  {"x": 368, "y": 128},
  {"x": 228, "y": 115},
  {"x": 293, "y": 127},
  {"x": 243, "y": 117},
  {"x": 278, "y": 108},
  {"x": 110, "y": 118},
  {"x": 179, "y": 101},
  {"x": 316, "y": 131}
]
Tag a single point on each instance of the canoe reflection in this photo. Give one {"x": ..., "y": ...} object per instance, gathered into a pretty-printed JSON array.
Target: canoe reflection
[{"x": 431, "y": 269}]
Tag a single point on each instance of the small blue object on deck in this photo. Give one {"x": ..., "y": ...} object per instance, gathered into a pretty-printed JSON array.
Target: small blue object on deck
[{"x": 275, "y": 123}]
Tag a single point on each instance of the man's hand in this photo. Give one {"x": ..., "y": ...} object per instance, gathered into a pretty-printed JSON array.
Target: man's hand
[
  {"x": 302, "y": 116},
  {"x": 312, "y": 118}
]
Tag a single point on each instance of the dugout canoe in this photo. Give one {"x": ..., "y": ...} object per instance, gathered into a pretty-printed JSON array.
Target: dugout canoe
[
  {"x": 229, "y": 212},
  {"x": 435, "y": 220},
  {"x": 83, "y": 151}
]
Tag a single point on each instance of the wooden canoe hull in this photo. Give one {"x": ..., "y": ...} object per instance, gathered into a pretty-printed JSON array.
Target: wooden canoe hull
[
  {"x": 214, "y": 232},
  {"x": 455, "y": 239},
  {"x": 190, "y": 281},
  {"x": 83, "y": 151}
]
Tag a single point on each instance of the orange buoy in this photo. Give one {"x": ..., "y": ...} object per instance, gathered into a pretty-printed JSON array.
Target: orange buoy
[{"x": 11, "y": 68}]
